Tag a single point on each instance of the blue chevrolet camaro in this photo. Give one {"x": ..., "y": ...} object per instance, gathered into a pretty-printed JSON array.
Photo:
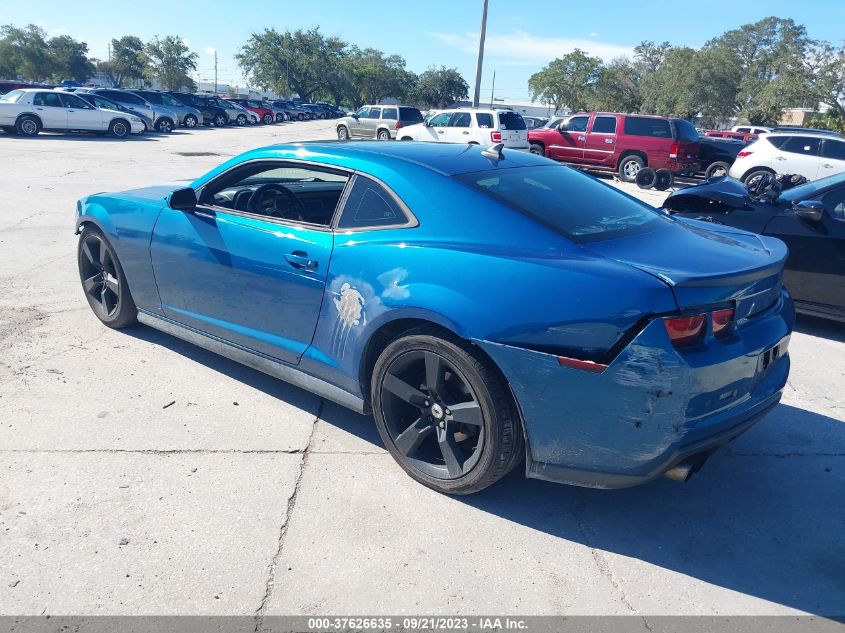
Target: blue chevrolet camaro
[{"x": 486, "y": 305}]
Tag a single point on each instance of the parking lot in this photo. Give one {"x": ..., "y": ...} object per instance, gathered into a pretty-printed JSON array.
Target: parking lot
[{"x": 140, "y": 475}]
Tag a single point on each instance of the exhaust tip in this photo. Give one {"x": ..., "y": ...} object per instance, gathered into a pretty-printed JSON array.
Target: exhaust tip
[{"x": 682, "y": 471}]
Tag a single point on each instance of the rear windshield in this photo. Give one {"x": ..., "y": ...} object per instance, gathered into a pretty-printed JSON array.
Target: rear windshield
[
  {"x": 410, "y": 114},
  {"x": 686, "y": 131},
  {"x": 511, "y": 121},
  {"x": 647, "y": 126},
  {"x": 574, "y": 204}
]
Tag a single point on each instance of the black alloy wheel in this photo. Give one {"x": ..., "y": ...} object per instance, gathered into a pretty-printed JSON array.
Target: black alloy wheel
[
  {"x": 220, "y": 120},
  {"x": 103, "y": 281},
  {"x": 445, "y": 414}
]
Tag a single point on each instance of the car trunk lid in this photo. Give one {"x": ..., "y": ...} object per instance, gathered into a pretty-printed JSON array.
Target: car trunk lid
[{"x": 706, "y": 264}]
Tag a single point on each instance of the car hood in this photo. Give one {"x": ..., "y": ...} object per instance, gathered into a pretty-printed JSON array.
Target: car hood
[
  {"x": 705, "y": 264},
  {"x": 157, "y": 192},
  {"x": 726, "y": 190}
]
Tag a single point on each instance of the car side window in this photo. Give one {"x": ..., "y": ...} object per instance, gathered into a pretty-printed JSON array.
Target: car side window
[
  {"x": 744, "y": 130},
  {"x": 281, "y": 191},
  {"x": 441, "y": 120},
  {"x": 484, "y": 119},
  {"x": 72, "y": 101},
  {"x": 604, "y": 125},
  {"x": 808, "y": 146},
  {"x": 49, "y": 99},
  {"x": 460, "y": 119},
  {"x": 833, "y": 149},
  {"x": 577, "y": 124},
  {"x": 362, "y": 113},
  {"x": 375, "y": 113},
  {"x": 369, "y": 205},
  {"x": 390, "y": 113},
  {"x": 647, "y": 126}
]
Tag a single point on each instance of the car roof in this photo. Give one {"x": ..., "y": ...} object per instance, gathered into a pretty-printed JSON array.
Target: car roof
[
  {"x": 445, "y": 158},
  {"x": 799, "y": 133}
]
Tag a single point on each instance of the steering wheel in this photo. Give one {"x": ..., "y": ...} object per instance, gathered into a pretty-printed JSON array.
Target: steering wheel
[{"x": 266, "y": 198}]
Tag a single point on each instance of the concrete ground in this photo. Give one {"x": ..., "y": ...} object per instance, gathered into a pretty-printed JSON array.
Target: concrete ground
[{"x": 139, "y": 475}]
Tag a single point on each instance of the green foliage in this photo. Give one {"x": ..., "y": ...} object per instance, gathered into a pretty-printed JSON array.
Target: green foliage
[
  {"x": 830, "y": 120},
  {"x": 170, "y": 62},
  {"x": 617, "y": 88},
  {"x": 24, "y": 53},
  {"x": 127, "y": 61},
  {"x": 375, "y": 76},
  {"x": 300, "y": 61},
  {"x": 70, "y": 59},
  {"x": 566, "y": 81},
  {"x": 440, "y": 87},
  {"x": 826, "y": 68}
]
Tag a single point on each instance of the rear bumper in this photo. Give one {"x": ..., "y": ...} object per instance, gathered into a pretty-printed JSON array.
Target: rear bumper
[
  {"x": 678, "y": 166},
  {"x": 652, "y": 407}
]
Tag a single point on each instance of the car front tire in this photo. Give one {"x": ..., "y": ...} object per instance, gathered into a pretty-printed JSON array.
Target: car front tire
[
  {"x": 537, "y": 149},
  {"x": 191, "y": 121},
  {"x": 28, "y": 126},
  {"x": 445, "y": 413},
  {"x": 165, "y": 126},
  {"x": 119, "y": 129},
  {"x": 103, "y": 281},
  {"x": 342, "y": 133}
]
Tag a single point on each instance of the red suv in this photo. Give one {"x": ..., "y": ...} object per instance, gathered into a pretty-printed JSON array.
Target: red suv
[
  {"x": 626, "y": 143},
  {"x": 265, "y": 114}
]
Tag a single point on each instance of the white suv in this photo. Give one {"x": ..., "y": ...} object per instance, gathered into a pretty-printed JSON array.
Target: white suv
[
  {"x": 27, "y": 112},
  {"x": 808, "y": 154},
  {"x": 470, "y": 125}
]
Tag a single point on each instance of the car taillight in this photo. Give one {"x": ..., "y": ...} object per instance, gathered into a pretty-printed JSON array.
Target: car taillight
[
  {"x": 673, "y": 151},
  {"x": 685, "y": 331},
  {"x": 496, "y": 137},
  {"x": 744, "y": 153},
  {"x": 722, "y": 320},
  {"x": 398, "y": 124}
]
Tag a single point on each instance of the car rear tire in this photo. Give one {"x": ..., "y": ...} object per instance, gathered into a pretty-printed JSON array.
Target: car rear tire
[
  {"x": 342, "y": 133},
  {"x": 240, "y": 119},
  {"x": 629, "y": 167},
  {"x": 468, "y": 436},
  {"x": 191, "y": 121},
  {"x": 537, "y": 149},
  {"x": 280, "y": 118},
  {"x": 383, "y": 135},
  {"x": 28, "y": 126},
  {"x": 164, "y": 125},
  {"x": 717, "y": 170},
  {"x": 268, "y": 119},
  {"x": 103, "y": 281},
  {"x": 119, "y": 128},
  {"x": 663, "y": 179},
  {"x": 646, "y": 178},
  {"x": 756, "y": 174},
  {"x": 220, "y": 120}
]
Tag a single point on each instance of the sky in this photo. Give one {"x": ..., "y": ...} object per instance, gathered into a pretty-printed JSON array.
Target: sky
[{"x": 522, "y": 35}]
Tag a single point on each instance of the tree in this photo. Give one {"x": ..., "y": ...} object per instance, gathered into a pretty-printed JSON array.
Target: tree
[
  {"x": 69, "y": 59},
  {"x": 617, "y": 88},
  {"x": 127, "y": 61},
  {"x": 770, "y": 56},
  {"x": 826, "y": 69},
  {"x": 299, "y": 61},
  {"x": 565, "y": 81},
  {"x": 648, "y": 56},
  {"x": 170, "y": 62},
  {"x": 690, "y": 83},
  {"x": 376, "y": 76},
  {"x": 24, "y": 53},
  {"x": 440, "y": 87}
]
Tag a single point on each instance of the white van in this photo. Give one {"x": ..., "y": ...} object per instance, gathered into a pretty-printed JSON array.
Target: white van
[{"x": 476, "y": 126}]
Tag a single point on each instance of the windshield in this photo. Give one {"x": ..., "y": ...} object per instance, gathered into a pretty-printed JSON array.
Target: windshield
[
  {"x": 578, "y": 206},
  {"x": 809, "y": 189},
  {"x": 12, "y": 97}
]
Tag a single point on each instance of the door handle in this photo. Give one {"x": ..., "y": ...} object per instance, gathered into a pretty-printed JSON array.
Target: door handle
[
  {"x": 608, "y": 140},
  {"x": 779, "y": 158},
  {"x": 827, "y": 166},
  {"x": 301, "y": 261},
  {"x": 582, "y": 138},
  {"x": 464, "y": 132},
  {"x": 39, "y": 108},
  {"x": 440, "y": 131}
]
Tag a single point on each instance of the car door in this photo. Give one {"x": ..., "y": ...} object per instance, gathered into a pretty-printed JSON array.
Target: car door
[
  {"x": 248, "y": 270},
  {"x": 436, "y": 128},
  {"x": 796, "y": 155},
  {"x": 82, "y": 115},
  {"x": 356, "y": 125},
  {"x": 369, "y": 124},
  {"x": 49, "y": 107},
  {"x": 458, "y": 129},
  {"x": 832, "y": 157},
  {"x": 568, "y": 146},
  {"x": 815, "y": 269},
  {"x": 600, "y": 145}
]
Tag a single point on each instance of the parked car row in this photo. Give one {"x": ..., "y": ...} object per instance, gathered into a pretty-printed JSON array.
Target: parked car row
[{"x": 120, "y": 112}]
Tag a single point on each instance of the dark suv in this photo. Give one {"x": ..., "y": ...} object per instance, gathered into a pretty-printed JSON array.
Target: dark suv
[
  {"x": 608, "y": 141},
  {"x": 211, "y": 113}
]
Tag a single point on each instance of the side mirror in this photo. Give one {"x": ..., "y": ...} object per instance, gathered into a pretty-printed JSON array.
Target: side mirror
[
  {"x": 183, "y": 200},
  {"x": 810, "y": 210}
]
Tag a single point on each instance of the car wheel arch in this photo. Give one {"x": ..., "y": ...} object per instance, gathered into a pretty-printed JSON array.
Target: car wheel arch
[
  {"x": 30, "y": 114},
  {"x": 750, "y": 171},
  {"x": 632, "y": 152}
]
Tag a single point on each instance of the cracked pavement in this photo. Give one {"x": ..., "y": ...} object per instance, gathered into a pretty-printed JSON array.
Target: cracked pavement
[{"x": 140, "y": 475}]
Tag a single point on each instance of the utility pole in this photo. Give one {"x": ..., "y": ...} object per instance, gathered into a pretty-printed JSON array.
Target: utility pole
[
  {"x": 215, "y": 71},
  {"x": 493, "y": 89},
  {"x": 477, "y": 96}
]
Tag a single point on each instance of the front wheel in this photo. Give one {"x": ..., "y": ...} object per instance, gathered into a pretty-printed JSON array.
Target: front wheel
[
  {"x": 191, "y": 121},
  {"x": 119, "y": 129},
  {"x": 268, "y": 119},
  {"x": 445, "y": 413},
  {"x": 28, "y": 126},
  {"x": 164, "y": 125},
  {"x": 220, "y": 120},
  {"x": 537, "y": 149},
  {"x": 241, "y": 119},
  {"x": 343, "y": 133},
  {"x": 103, "y": 280},
  {"x": 383, "y": 135}
]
